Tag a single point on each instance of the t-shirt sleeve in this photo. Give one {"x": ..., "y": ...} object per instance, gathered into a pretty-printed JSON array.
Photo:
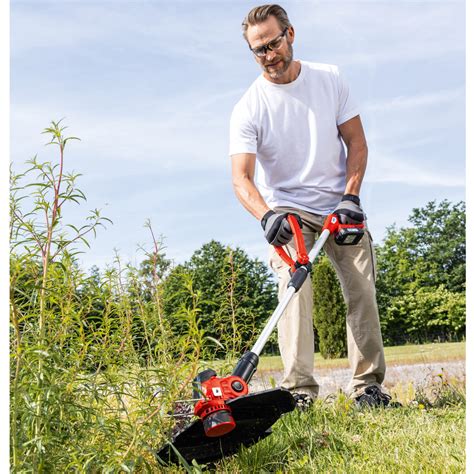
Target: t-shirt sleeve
[
  {"x": 242, "y": 134},
  {"x": 347, "y": 105}
]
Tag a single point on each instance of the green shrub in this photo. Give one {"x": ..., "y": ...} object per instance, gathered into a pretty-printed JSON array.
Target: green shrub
[
  {"x": 427, "y": 313},
  {"x": 329, "y": 310}
]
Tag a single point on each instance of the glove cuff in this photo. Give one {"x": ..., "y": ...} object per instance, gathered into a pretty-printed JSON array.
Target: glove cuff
[
  {"x": 351, "y": 197},
  {"x": 265, "y": 218}
]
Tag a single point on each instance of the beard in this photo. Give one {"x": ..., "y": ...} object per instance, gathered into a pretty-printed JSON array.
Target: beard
[{"x": 286, "y": 60}]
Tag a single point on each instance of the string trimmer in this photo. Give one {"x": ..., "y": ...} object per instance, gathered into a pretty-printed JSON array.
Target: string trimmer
[{"x": 228, "y": 416}]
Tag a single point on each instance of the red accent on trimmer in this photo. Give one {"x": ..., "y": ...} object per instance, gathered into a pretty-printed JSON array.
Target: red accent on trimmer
[
  {"x": 331, "y": 223},
  {"x": 334, "y": 226},
  {"x": 301, "y": 253},
  {"x": 212, "y": 409}
]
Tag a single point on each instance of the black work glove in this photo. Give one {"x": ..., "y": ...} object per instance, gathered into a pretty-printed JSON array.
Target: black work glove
[
  {"x": 349, "y": 210},
  {"x": 276, "y": 227}
]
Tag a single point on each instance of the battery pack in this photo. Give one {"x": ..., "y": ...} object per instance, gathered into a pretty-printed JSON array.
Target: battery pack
[{"x": 349, "y": 236}]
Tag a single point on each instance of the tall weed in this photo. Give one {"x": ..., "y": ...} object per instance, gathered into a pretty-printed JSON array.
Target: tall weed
[{"x": 95, "y": 366}]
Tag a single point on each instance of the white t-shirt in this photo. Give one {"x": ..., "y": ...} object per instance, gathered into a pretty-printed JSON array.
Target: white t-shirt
[{"x": 292, "y": 128}]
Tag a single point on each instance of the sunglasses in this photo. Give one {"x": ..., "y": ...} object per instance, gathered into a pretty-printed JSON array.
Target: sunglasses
[{"x": 273, "y": 45}]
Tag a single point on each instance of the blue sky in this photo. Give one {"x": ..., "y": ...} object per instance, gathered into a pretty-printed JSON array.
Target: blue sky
[{"x": 149, "y": 87}]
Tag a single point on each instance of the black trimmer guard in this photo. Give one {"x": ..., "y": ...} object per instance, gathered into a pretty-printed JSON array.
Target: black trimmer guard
[{"x": 254, "y": 414}]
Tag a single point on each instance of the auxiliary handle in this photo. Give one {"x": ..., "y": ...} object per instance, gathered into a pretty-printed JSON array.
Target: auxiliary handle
[{"x": 301, "y": 255}]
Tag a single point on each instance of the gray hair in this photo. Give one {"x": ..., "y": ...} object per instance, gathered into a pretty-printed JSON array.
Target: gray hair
[{"x": 260, "y": 14}]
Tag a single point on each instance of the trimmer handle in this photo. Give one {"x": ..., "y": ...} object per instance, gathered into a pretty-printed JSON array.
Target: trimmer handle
[
  {"x": 344, "y": 234},
  {"x": 349, "y": 234},
  {"x": 301, "y": 253}
]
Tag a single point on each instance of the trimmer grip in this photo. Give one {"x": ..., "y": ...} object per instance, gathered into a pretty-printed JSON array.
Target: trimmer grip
[{"x": 246, "y": 366}]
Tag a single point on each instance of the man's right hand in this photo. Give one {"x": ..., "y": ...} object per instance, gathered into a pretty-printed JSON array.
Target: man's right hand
[{"x": 277, "y": 229}]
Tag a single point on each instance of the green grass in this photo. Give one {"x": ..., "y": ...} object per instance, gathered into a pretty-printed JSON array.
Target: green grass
[
  {"x": 427, "y": 434},
  {"x": 341, "y": 439},
  {"x": 407, "y": 354},
  {"x": 336, "y": 437}
]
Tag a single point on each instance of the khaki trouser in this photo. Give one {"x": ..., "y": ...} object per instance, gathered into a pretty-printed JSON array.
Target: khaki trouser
[{"x": 355, "y": 268}]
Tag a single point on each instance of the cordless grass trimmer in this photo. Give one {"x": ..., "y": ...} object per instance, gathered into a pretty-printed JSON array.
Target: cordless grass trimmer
[{"x": 228, "y": 416}]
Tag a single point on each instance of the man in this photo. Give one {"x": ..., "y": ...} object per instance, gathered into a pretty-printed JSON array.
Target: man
[{"x": 290, "y": 126}]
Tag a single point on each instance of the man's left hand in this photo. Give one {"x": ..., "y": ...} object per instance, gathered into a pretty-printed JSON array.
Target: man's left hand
[{"x": 349, "y": 210}]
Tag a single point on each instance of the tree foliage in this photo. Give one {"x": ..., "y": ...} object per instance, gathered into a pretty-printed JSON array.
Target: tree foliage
[
  {"x": 236, "y": 296},
  {"x": 422, "y": 275}
]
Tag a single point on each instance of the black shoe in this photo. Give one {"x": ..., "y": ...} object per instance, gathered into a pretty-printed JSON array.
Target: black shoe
[
  {"x": 303, "y": 401},
  {"x": 373, "y": 397}
]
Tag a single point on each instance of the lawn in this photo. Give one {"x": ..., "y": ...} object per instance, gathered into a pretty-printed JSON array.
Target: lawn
[
  {"x": 338, "y": 438},
  {"x": 407, "y": 354},
  {"x": 427, "y": 434},
  {"x": 335, "y": 437}
]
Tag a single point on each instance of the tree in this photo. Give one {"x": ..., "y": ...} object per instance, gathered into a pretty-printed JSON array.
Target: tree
[
  {"x": 427, "y": 257},
  {"x": 329, "y": 310},
  {"x": 236, "y": 296},
  {"x": 426, "y": 314}
]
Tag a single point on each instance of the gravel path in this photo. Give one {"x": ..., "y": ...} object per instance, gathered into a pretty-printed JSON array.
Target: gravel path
[{"x": 331, "y": 380}]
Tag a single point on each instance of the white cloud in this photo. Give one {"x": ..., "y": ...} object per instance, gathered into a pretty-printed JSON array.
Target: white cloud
[
  {"x": 405, "y": 169},
  {"x": 380, "y": 33},
  {"x": 156, "y": 28},
  {"x": 180, "y": 134},
  {"x": 417, "y": 139},
  {"x": 419, "y": 101}
]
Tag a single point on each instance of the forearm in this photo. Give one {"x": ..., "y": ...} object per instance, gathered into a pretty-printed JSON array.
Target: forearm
[
  {"x": 248, "y": 194},
  {"x": 355, "y": 167}
]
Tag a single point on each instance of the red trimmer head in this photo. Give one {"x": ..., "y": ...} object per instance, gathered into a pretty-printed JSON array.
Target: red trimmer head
[
  {"x": 254, "y": 414},
  {"x": 213, "y": 391},
  {"x": 215, "y": 414}
]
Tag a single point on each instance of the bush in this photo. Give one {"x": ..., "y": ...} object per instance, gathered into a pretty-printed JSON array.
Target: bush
[
  {"x": 329, "y": 311},
  {"x": 425, "y": 314}
]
